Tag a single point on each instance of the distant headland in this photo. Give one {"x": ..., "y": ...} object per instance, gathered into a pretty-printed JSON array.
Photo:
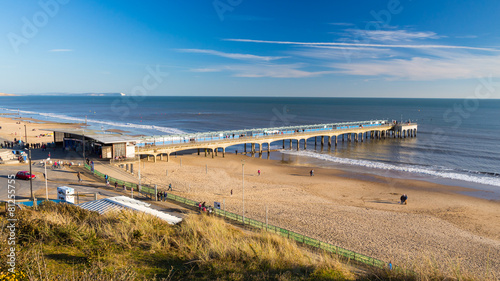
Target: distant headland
[
  {"x": 68, "y": 94},
  {"x": 6, "y": 95}
]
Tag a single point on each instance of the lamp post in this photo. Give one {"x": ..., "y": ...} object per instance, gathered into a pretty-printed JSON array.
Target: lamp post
[
  {"x": 46, "y": 188},
  {"x": 243, "y": 188},
  {"x": 29, "y": 160},
  {"x": 31, "y": 180}
]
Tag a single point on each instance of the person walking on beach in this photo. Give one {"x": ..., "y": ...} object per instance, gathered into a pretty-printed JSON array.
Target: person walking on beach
[
  {"x": 170, "y": 187},
  {"x": 231, "y": 192},
  {"x": 164, "y": 196},
  {"x": 116, "y": 184},
  {"x": 79, "y": 177},
  {"x": 258, "y": 172},
  {"x": 311, "y": 173}
]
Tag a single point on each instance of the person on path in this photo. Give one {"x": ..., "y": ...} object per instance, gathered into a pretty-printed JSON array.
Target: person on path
[
  {"x": 170, "y": 187},
  {"x": 311, "y": 173},
  {"x": 79, "y": 177},
  {"x": 116, "y": 185},
  {"x": 231, "y": 192},
  {"x": 165, "y": 196},
  {"x": 258, "y": 172},
  {"x": 124, "y": 188}
]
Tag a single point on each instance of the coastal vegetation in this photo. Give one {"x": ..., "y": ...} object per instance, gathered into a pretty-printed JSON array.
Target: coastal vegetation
[{"x": 65, "y": 242}]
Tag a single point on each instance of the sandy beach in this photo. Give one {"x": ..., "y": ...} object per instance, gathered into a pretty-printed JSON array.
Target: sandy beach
[
  {"x": 345, "y": 209},
  {"x": 13, "y": 128},
  {"x": 350, "y": 210}
]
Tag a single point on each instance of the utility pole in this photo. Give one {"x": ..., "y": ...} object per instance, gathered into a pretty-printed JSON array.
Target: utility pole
[
  {"x": 243, "y": 188},
  {"x": 25, "y": 136},
  {"x": 31, "y": 180},
  {"x": 83, "y": 143}
]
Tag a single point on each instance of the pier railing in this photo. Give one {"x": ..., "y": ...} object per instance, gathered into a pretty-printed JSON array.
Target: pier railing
[
  {"x": 254, "y": 133},
  {"x": 149, "y": 191}
]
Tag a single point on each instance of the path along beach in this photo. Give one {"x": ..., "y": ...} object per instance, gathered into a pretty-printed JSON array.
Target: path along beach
[{"x": 338, "y": 207}]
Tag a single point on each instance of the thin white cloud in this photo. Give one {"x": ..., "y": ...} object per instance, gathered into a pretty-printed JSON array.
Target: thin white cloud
[
  {"x": 265, "y": 70},
  {"x": 61, "y": 50},
  {"x": 274, "y": 71},
  {"x": 341, "y": 24},
  {"x": 205, "y": 70},
  {"x": 393, "y": 35},
  {"x": 231, "y": 55},
  {"x": 425, "y": 69},
  {"x": 312, "y": 44}
]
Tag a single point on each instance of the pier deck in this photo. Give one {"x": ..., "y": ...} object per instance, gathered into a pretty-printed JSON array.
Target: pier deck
[{"x": 212, "y": 142}]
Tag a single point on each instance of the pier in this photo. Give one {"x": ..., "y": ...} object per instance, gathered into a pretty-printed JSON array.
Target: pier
[{"x": 260, "y": 140}]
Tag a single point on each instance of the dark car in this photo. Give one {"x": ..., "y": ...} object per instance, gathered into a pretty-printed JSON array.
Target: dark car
[{"x": 24, "y": 175}]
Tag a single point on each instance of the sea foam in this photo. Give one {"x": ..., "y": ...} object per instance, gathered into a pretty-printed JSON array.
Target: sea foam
[{"x": 416, "y": 169}]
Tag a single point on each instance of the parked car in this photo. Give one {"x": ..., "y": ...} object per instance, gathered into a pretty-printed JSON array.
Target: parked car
[{"x": 24, "y": 175}]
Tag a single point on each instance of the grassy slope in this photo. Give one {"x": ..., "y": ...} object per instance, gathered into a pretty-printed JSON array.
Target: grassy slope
[{"x": 64, "y": 242}]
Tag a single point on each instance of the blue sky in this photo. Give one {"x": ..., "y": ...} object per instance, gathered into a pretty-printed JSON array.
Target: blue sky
[{"x": 252, "y": 48}]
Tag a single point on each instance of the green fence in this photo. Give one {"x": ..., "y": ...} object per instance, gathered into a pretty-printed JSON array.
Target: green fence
[{"x": 150, "y": 191}]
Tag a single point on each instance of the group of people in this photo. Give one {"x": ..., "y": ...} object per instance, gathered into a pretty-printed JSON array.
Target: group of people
[
  {"x": 162, "y": 195},
  {"x": 204, "y": 209}
]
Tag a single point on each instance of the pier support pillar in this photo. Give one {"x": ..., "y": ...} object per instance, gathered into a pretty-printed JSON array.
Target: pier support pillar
[
  {"x": 329, "y": 141},
  {"x": 260, "y": 148},
  {"x": 245, "y": 147},
  {"x": 155, "y": 158},
  {"x": 216, "y": 151},
  {"x": 198, "y": 151},
  {"x": 223, "y": 152},
  {"x": 161, "y": 157},
  {"x": 290, "y": 144},
  {"x": 315, "y": 141},
  {"x": 268, "y": 148},
  {"x": 205, "y": 152},
  {"x": 253, "y": 147},
  {"x": 298, "y": 145},
  {"x": 322, "y": 140},
  {"x": 305, "y": 144},
  {"x": 343, "y": 137},
  {"x": 213, "y": 153},
  {"x": 283, "y": 144},
  {"x": 168, "y": 157}
]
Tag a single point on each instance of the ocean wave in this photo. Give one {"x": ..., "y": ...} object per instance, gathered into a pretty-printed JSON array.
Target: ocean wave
[
  {"x": 416, "y": 169},
  {"x": 167, "y": 130}
]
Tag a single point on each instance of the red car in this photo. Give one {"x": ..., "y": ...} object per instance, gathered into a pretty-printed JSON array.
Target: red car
[{"x": 24, "y": 175}]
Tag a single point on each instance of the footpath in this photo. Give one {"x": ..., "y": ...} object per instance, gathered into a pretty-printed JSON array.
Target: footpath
[{"x": 90, "y": 179}]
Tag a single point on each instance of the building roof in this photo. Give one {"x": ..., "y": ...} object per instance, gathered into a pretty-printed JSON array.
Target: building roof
[
  {"x": 98, "y": 135},
  {"x": 123, "y": 202}
]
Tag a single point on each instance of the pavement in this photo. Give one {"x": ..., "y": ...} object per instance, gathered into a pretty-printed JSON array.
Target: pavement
[{"x": 67, "y": 176}]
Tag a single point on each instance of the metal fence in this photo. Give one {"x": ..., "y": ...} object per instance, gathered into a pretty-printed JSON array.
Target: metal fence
[{"x": 149, "y": 191}]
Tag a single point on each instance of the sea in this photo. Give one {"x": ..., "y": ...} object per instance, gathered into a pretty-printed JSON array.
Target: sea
[{"x": 458, "y": 140}]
